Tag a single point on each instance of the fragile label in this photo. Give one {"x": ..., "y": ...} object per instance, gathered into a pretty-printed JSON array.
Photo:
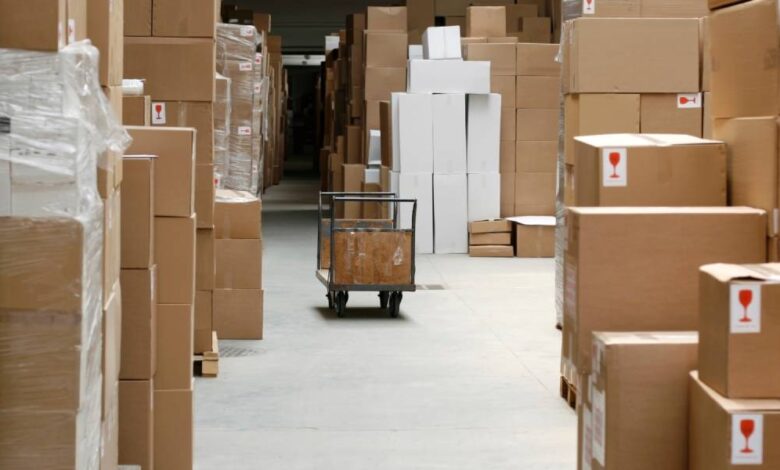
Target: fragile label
[
  {"x": 599, "y": 427},
  {"x": 71, "y": 31},
  {"x": 244, "y": 130},
  {"x": 747, "y": 439},
  {"x": 588, "y": 7},
  {"x": 745, "y": 307},
  {"x": 614, "y": 167},
  {"x": 689, "y": 100},
  {"x": 245, "y": 66},
  {"x": 247, "y": 31},
  {"x": 158, "y": 114}
]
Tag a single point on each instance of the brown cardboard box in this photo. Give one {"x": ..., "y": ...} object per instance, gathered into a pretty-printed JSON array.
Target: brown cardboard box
[
  {"x": 138, "y": 18},
  {"x": 354, "y": 144},
  {"x": 534, "y": 241},
  {"x": 486, "y": 22},
  {"x": 237, "y": 215},
  {"x": 204, "y": 259},
  {"x": 502, "y": 57},
  {"x": 105, "y": 28},
  {"x": 137, "y": 209},
  {"x": 112, "y": 350},
  {"x": 708, "y": 121},
  {"x": 356, "y": 24},
  {"x": 353, "y": 183},
  {"x": 538, "y": 92},
  {"x": 487, "y": 251},
  {"x": 173, "y": 429},
  {"x": 630, "y": 269},
  {"x": 112, "y": 242},
  {"x": 706, "y": 53},
  {"x": 671, "y": 114},
  {"x": 507, "y": 157},
  {"x": 238, "y": 264},
  {"x": 204, "y": 195},
  {"x": 451, "y": 7},
  {"x": 508, "y": 124},
  {"x": 653, "y": 368},
  {"x": 536, "y": 157},
  {"x": 204, "y": 324},
  {"x": 238, "y": 313},
  {"x": 490, "y": 226},
  {"x": 496, "y": 238},
  {"x": 185, "y": 18},
  {"x": 594, "y": 114},
  {"x": 40, "y": 25},
  {"x": 718, "y": 438},
  {"x": 189, "y": 114},
  {"x": 175, "y": 69},
  {"x": 136, "y": 423},
  {"x": 139, "y": 323},
  {"x": 136, "y": 110},
  {"x": 515, "y": 12},
  {"x": 77, "y": 21},
  {"x": 174, "y": 346},
  {"x": 535, "y": 193},
  {"x": 420, "y": 15},
  {"x": 632, "y": 55},
  {"x": 386, "y": 19},
  {"x": 371, "y": 114},
  {"x": 174, "y": 172},
  {"x": 642, "y": 170},
  {"x": 504, "y": 85},
  {"x": 536, "y": 30},
  {"x": 381, "y": 82},
  {"x": 674, "y": 9},
  {"x": 537, "y": 124},
  {"x": 174, "y": 251},
  {"x": 109, "y": 433},
  {"x": 538, "y": 60},
  {"x": 605, "y": 9},
  {"x": 385, "y": 49},
  {"x": 507, "y": 194},
  {"x": 262, "y": 21},
  {"x": 739, "y": 329}
]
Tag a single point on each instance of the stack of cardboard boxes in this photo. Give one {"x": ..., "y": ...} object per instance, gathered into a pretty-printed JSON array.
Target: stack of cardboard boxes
[{"x": 490, "y": 238}]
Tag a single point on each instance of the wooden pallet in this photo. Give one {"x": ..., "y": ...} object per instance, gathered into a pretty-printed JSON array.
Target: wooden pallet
[
  {"x": 207, "y": 364},
  {"x": 569, "y": 393}
]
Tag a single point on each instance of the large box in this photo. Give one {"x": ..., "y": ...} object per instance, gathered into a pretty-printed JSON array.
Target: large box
[
  {"x": 537, "y": 92},
  {"x": 238, "y": 264},
  {"x": 174, "y": 346},
  {"x": 448, "y": 76},
  {"x": 484, "y": 196},
  {"x": 418, "y": 186},
  {"x": 649, "y": 170},
  {"x": 740, "y": 329},
  {"x": 385, "y": 49},
  {"x": 173, "y": 429},
  {"x": 204, "y": 195},
  {"x": 636, "y": 269},
  {"x": 138, "y": 18},
  {"x": 484, "y": 133},
  {"x": 538, "y": 60},
  {"x": 174, "y": 251},
  {"x": 412, "y": 132},
  {"x": 386, "y": 19},
  {"x": 105, "y": 28},
  {"x": 185, "y": 18},
  {"x": 137, "y": 225},
  {"x": 136, "y": 423},
  {"x": 671, "y": 113},
  {"x": 537, "y": 125},
  {"x": 237, "y": 215},
  {"x": 727, "y": 434},
  {"x": 382, "y": 81},
  {"x": 502, "y": 57},
  {"x": 204, "y": 259},
  {"x": 450, "y": 212},
  {"x": 487, "y": 22},
  {"x": 139, "y": 324},
  {"x": 175, "y": 69},
  {"x": 594, "y": 114},
  {"x": 449, "y": 134},
  {"x": 199, "y": 115},
  {"x": 38, "y": 25},
  {"x": 535, "y": 193},
  {"x": 174, "y": 172},
  {"x": 632, "y": 55},
  {"x": 238, "y": 313}
]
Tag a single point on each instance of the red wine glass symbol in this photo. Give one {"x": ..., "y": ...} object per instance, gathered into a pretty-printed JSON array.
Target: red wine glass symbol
[
  {"x": 747, "y": 426},
  {"x": 158, "y": 110},
  {"x": 745, "y": 298},
  {"x": 685, "y": 100},
  {"x": 614, "y": 160}
]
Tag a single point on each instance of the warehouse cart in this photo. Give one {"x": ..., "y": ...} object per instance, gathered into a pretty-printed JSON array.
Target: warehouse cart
[{"x": 365, "y": 254}]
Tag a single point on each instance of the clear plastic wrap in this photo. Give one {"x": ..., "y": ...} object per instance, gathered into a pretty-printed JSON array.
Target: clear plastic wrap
[
  {"x": 560, "y": 206},
  {"x": 222, "y": 107}
]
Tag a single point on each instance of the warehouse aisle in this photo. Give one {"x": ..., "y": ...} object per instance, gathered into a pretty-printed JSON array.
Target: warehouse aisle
[{"x": 467, "y": 378}]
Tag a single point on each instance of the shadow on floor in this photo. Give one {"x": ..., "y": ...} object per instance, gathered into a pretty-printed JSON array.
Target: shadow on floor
[{"x": 361, "y": 313}]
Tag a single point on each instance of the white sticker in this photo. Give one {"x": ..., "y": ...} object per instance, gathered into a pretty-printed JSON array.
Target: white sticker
[
  {"x": 745, "y": 307},
  {"x": 258, "y": 58},
  {"x": 158, "y": 113},
  {"x": 599, "y": 418},
  {"x": 247, "y": 31},
  {"x": 71, "y": 30},
  {"x": 588, "y": 7},
  {"x": 689, "y": 100},
  {"x": 245, "y": 66},
  {"x": 244, "y": 130},
  {"x": 747, "y": 439},
  {"x": 587, "y": 439},
  {"x": 614, "y": 167},
  {"x": 258, "y": 87}
]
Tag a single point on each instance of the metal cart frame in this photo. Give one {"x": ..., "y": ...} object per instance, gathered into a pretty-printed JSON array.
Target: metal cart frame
[{"x": 390, "y": 295}]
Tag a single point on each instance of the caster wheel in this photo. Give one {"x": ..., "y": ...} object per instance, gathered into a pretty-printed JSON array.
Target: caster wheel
[
  {"x": 330, "y": 296},
  {"x": 394, "y": 305},
  {"x": 341, "y": 304},
  {"x": 384, "y": 297}
]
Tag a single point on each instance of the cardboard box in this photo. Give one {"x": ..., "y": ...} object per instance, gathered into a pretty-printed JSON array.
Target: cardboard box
[
  {"x": 534, "y": 237},
  {"x": 175, "y": 69},
  {"x": 538, "y": 60},
  {"x": 238, "y": 264},
  {"x": 204, "y": 195},
  {"x": 487, "y": 251},
  {"x": 139, "y": 324},
  {"x": 484, "y": 192},
  {"x": 536, "y": 157},
  {"x": 40, "y": 25},
  {"x": 420, "y": 15},
  {"x": 138, "y": 18},
  {"x": 649, "y": 170},
  {"x": 502, "y": 57},
  {"x": 238, "y": 313},
  {"x": 651, "y": 367},
  {"x": 137, "y": 212},
  {"x": 738, "y": 329},
  {"x": 237, "y": 215},
  {"x": 486, "y": 22},
  {"x": 382, "y": 81},
  {"x": 708, "y": 121},
  {"x": 105, "y": 28},
  {"x": 111, "y": 352},
  {"x": 174, "y": 251},
  {"x": 204, "y": 324},
  {"x": 504, "y": 85},
  {"x": 448, "y": 76},
  {"x": 386, "y": 19},
  {"x": 450, "y": 212},
  {"x": 537, "y": 92},
  {"x": 188, "y": 114},
  {"x": 112, "y": 242},
  {"x": 507, "y": 158},
  {"x": 451, "y": 7},
  {"x": 385, "y": 49},
  {"x": 418, "y": 186},
  {"x": 507, "y": 194},
  {"x": 440, "y": 43},
  {"x": 536, "y": 30},
  {"x": 537, "y": 124},
  {"x": 204, "y": 259},
  {"x": 484, "y": 134},
  {"x": 174, "y": 169},
  {"x": 727, "y": 433},
  {"x": 174, "y": 346},
  {"x": 354, "y": 145},
  {"x": 496, "y": 238},
  {"x": 671, "y": 114},
  {"x": 651, "y": 283},
  {"x": 490, "y": 226},
  {"x": 449, "y": 134},
  {"x": 508, "y": 124},
  {"x": 185, "y": 18},
  {"x": 136, "y": 110},
  {"x": 514, "y": 13},
  {"x": 136, "y": 423},
  {"x": 173, "y": 428},
  {"x": 413, "y": 132},
  {"x": 594, "y": 114},
  {"x": 535, "y": 193},
  {"x": 353, "y": 183},
  {"x": 632, "y": 55}
]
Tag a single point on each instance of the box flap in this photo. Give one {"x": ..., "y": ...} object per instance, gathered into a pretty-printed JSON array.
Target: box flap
[
  {"x": 665, "y": 210},
  {"x": 769, "y": 272},
  {"x": 642, "y": 140},
  {"x": 738, "y": 405},
  {"x": 539, "y": 220}
]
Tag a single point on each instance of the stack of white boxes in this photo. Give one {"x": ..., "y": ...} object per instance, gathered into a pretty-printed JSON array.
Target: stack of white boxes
[{"x": 446, "y": 139}]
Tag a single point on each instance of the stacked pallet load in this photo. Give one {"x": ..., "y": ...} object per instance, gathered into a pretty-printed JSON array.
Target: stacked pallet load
[{"x": 491, "y": 238}]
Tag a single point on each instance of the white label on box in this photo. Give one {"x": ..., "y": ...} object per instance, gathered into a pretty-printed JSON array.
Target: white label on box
[
  {"x": 587, "y": 439},
  {"x": 745, "y": 307},
  {"x": 158, "y": 113},
  {"x": 599, "y": 418},
  {"x": 588, "y": 7},
  {"x": 689, "y": 100},
  {"x": 258, "y": 58},
  {"x": 747, "y": 439},
  {"x": 245, "y": 66},
  {"x": 247, "y": 31},
  {"x": 614, "y": 167},
  {"x": 71, "y": 30},
  {"x": 244, "y": 130}
]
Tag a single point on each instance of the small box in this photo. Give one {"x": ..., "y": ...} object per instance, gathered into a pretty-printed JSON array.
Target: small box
[
  {"x": 535, "y": 237},
  {"x": 448, "y": 76},
  {"x": 450, "y": 213},
  {"x": 536, "y": 157},
  {"x": 174, "y": 251},
  {"x": 441, "y": 43},
  {"x": 174, "y": 346},
  {"x": 497, "y": 238},
  {"x": 535, "y": 193},
  {"x": 238, "y": 264},
  {"x": 507, "y": 194},
  {"x": 188, "y": 114},
  {"x": 237, "y": 215},
  {"x": 491, "y": 251},
  {"x": 381, "y": 82},
  {"x": 137, "y": 110},
  {"x": 484, "y": 134},
  {"x": 139, "y": 324},
  {"x": 484, "y": 196},
  {"x": 486, "y": 22},
  {"x": 238, "y": 313},
  {"x": 490, "y": 226},
  {"x": 204, "y": 325},
  {"x": 595, "y": 114},
  {"x": 385, "y": 49},
  {"x": 386, "y": 19}
]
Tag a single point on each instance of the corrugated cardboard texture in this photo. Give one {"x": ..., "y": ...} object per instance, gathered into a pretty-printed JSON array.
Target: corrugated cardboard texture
[
  {"x": 185, "y": 18},
  {"x": 594, "y": 114},
  {"x": 173, "y": 429},
  {"x": 138, "y": 213},
  {"x": 174, "y": 347},
  {"x": 372, "y": 258},
  {"x": 238, "y": 264},
  {"x": 139, "y": 323},
  {"x": 238, "y": 313},
  {"x": 662, "y": 114},
  {"x": 534, "y": 241},
  {"x": 174, "y": 251},
  {"x": 136, "y": 423}
]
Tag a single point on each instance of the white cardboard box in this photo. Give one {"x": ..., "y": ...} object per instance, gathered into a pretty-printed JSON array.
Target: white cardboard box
[
  {"x": 448, "y": 76},
  {"x": 484, "y": 196},
  {"x": 450, "y": 214},
  {"x": 449, "y": 134},
  {"x": 414, "y": 133},
  {"x": 371, "y": 176},
  {"x": 484, "y": 133},
  {"x": 418, "y": 186},
  {"x": 374, "y": 147},
  {"x": 415, "y": 51},
  {"x": 442, "y": 42}
]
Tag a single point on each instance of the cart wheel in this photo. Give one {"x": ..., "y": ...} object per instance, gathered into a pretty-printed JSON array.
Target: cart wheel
[
  {"x": 330, "y": 296},
  {"x": 341, "y": 304},
  {"x": 394, "y": 307},
  {"x": 383, "y": 298}
]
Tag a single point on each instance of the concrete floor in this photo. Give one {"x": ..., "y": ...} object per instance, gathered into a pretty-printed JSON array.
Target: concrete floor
[{"x": 466, "y": 378}]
